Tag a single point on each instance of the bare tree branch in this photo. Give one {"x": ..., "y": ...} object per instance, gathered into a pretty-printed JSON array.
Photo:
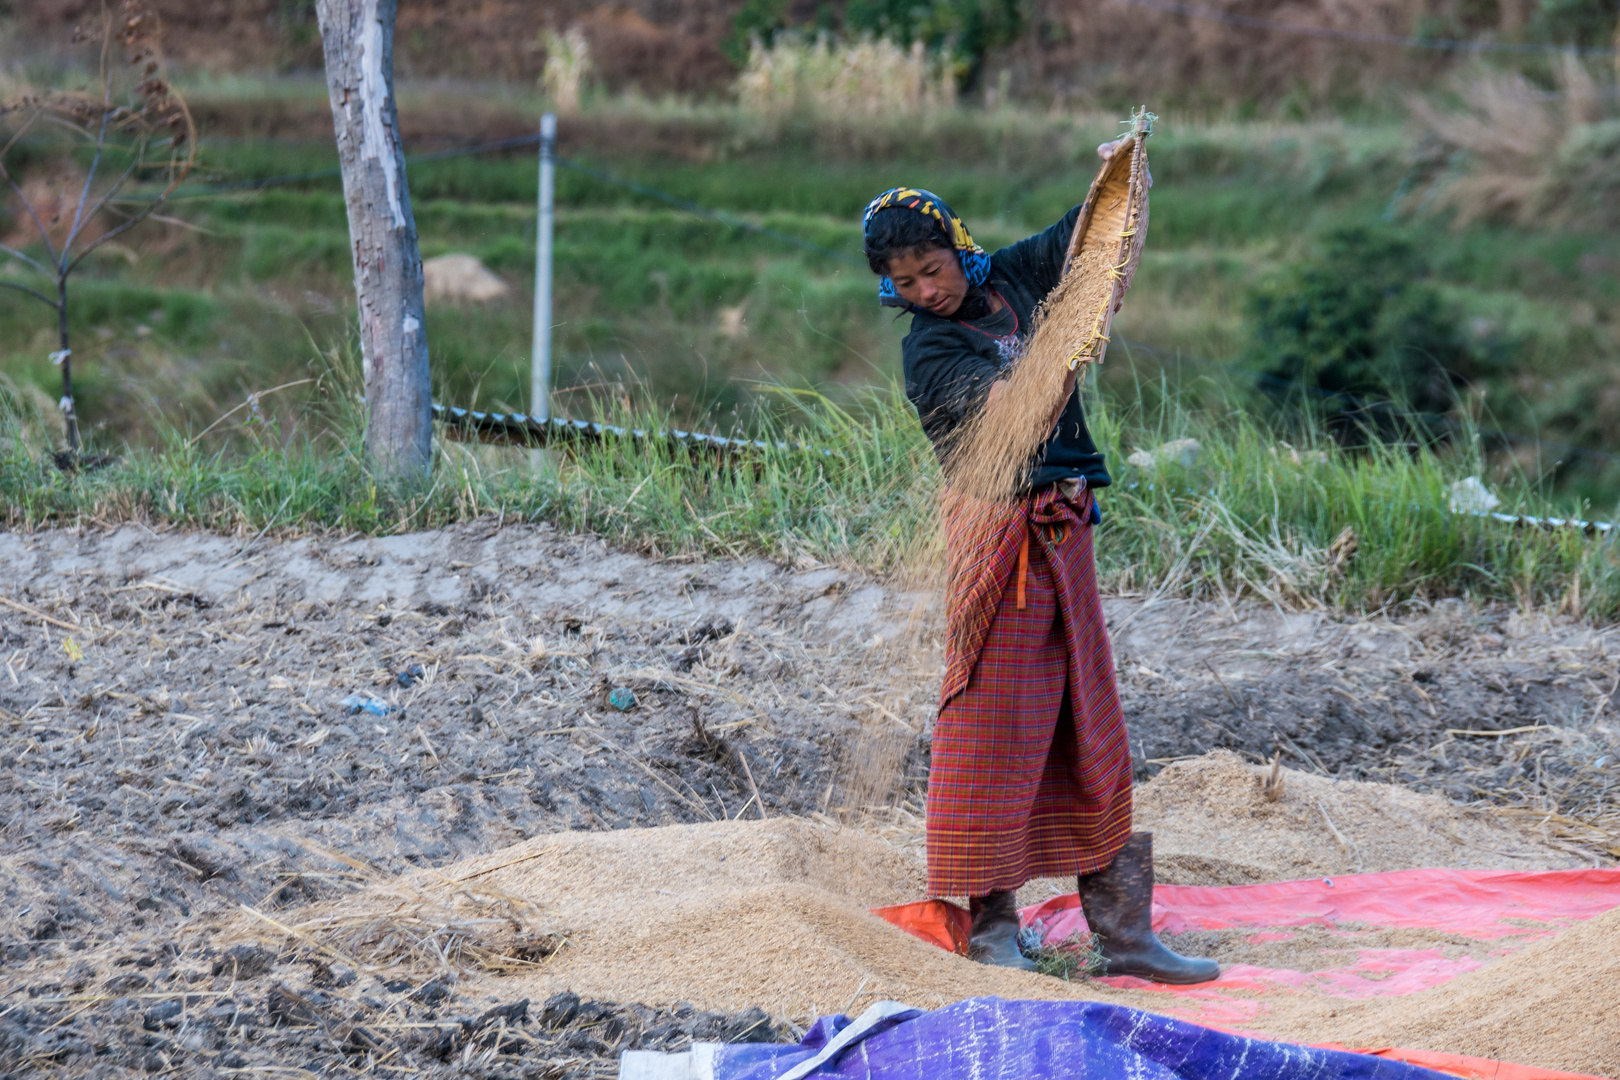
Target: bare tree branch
[
  {"x": 156, "y": 112},
  {"x": 100, "y": 204},
  {"x": 133, "y": 220},
  {"x": 22, "y": 129},
  {"x": 29, "y": 259},
  {"x": 28, "y": 204},
  {"x": 95, "y": 163},
  {"x": 23, "y": 288},
  {"x": 178, "y": 170}
]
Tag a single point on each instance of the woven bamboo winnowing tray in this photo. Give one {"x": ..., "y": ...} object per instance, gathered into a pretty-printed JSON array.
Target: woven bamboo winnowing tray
[{"x": 1106, "y": 247}]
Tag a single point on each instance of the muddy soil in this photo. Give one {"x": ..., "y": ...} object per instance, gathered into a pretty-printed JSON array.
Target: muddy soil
[{"x": 192, "y": 723}]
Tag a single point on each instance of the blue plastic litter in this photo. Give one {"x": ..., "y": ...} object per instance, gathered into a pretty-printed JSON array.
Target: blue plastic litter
[
  {"x": 409, "y": 676},
  {"x": 994, "y": 1039},
  {"x": 622, "y": 698},
  {"x": 358, "y": 703}
]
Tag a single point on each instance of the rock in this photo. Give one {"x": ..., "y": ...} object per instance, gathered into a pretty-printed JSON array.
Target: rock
[
  {"x": 560, "y": 1010},
  {"x": 244, "y": 961},
  {"x": 460, "y": 277},
  {"x": 124, "y": 984},
  {"x": 1182, "y": 451},
  {"x": 513, "y": 1013},
  {"x": 164, "y": 1014},
  {"x": 1471, "y": 496},
  {"x": 433, "y": 992}
]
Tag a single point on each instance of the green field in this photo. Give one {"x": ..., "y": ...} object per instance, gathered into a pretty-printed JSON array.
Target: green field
[
  {"x": 183, "y": 320},
  {"x": 679, "y": 318}
]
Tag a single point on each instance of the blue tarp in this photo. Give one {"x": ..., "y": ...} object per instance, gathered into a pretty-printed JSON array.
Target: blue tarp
[{"x": 993, "y": 1039}]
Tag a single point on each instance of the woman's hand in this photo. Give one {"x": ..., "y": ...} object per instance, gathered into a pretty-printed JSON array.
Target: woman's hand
[{"x": 1106, "y": 150}]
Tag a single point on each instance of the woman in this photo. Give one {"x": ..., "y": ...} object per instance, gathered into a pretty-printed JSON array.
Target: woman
[{"x": 1031, "y": 773}]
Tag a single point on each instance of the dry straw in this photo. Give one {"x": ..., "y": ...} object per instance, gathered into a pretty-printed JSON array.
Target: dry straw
[
  {"x": 414, "y": 924},
  {"x": 990, "y": 458}
]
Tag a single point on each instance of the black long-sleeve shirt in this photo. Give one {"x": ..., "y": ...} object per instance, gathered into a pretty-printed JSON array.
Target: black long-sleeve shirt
[{"x": 950, "y": 363}]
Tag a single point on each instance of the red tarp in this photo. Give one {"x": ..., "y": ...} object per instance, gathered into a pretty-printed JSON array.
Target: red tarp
[{"x": 1504, "y": 910}]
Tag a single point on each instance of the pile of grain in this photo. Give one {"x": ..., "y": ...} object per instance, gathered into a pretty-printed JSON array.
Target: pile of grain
[
  {"x": 774, "y": 914},
  {"x": 1214, "y": 825},
  {"x": 1555, "y": 1004},
  {"x": 738, "y": 914}
]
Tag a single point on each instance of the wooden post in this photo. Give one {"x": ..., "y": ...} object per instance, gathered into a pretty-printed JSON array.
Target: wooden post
[{"x": 358, "y": 39}]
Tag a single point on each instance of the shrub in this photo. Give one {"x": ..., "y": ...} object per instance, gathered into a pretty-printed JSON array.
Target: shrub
[
  {"x": 872, "y": 76},
  {"x": 966, "y": 30},
  {"x": 1357, "y": 331}
]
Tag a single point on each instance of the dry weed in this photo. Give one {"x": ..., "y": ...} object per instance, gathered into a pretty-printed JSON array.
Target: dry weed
[
  {"x": 568, "y": 66},
  {"x": 1516, "y": 153},
  {"x": 427, "y": 924},
  {"x": 869, "y": 77}
]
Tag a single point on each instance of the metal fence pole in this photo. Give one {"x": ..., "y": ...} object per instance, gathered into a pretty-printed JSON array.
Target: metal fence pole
[{"x": 540, "y": 374}]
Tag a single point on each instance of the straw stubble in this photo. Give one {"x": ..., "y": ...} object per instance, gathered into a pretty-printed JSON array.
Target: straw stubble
[{"x": 989, "y": 459}]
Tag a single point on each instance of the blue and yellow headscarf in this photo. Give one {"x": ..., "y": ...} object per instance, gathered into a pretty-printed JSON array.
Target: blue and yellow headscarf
[{"x": 975, "y": 263}]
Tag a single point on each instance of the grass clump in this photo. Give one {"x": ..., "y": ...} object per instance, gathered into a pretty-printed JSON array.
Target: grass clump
[
  {"x": 852, "y": 485},
  {"x": 1078, "y": 956},
  {"x": 1307, "y": 523}
]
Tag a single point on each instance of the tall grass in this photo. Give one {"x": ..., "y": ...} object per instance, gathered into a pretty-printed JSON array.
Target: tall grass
[
  {"x": 1303, "y": 523},
  {"x": 1300, "y": 525},
  {"x": 865, "y": 77},
  {"x": 1514, "y": 152}
]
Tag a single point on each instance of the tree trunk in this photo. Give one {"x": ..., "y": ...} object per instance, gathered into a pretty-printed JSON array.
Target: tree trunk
[{"x": 358, "y": 39}]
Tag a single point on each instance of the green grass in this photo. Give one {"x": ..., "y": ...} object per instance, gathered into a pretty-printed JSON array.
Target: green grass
[
  {"x": 1076, "y": 956},
  {"x": 855, "y": 484}
]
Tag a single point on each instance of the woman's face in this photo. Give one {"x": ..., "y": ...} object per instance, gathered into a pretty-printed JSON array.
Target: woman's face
[{"x": 930, "y": 279}]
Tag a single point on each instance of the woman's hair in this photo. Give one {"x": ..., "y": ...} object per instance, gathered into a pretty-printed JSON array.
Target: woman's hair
[{"x": 901, "y": 231}]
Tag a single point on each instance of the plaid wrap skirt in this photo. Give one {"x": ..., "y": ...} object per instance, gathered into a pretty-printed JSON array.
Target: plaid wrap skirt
[{"x": 1031, "y": 770}]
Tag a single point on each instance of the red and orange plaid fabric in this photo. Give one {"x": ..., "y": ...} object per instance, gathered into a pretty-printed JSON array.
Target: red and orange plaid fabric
[{"x": 1031, "y": 773}]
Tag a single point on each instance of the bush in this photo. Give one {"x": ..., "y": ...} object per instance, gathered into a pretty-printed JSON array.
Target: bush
[
  {"x": 1359, "y": 333},
  {"x": 965, "y": 30},
  {"x": 1590, "y": 23}
]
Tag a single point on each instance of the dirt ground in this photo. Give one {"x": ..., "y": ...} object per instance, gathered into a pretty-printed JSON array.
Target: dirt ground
[{"x": 194, "y": 724}]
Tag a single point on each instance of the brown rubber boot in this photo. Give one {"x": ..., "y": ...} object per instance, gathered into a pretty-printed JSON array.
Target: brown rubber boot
[
  {"x": 995, "y": 932},
  {"x": 1118, "y": 902}
]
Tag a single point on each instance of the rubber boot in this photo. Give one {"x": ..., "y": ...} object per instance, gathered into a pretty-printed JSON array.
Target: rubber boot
[
  {"x": 1118, "y": 902},
  {"x": 995, "y": 932}
]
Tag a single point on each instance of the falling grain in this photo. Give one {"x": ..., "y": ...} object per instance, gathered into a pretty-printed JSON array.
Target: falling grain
[{"x": 990, "y": 457}]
